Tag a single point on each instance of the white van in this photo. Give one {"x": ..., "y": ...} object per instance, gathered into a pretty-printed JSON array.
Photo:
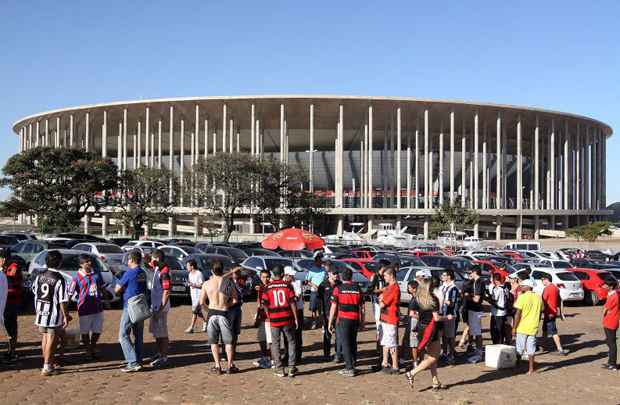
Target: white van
[{"x": 535, "y": 246}]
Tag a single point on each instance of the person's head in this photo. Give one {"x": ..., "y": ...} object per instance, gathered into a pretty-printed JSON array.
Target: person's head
[
  {"x": 264, "y": 276},
  {"x": 277, "y": 272},
  {"x": 237, "y": 273},
  {"x": 475, "y": 273},
  {"x": 546, "y": 279},
  {"x": 289, "y": 273},
  {"x": 191, "y": 265},
  {"x": 447, "y": 276},
  {"x": 217, "y": 268},
  {"x": 524, "y": 275},
  {"x": 346, "y": 275},
  {"x": 332, "y": 277},
  {"x": 412, "y": 287},
  {"x": 134, "y": 258},
  {"x": 329, "y": 266},
  {"x": 424, "y": 294},
  {"x": 390, "y": 275},
  {"x": 610, "y": 285},
  {"x": 5, "y": 255},
  {"x": 86, "y": 262},
  {"x": 53, "y": 259},
  {"x": 318, "y": 258},
  {"x": 384, "y": 264},
  {"x": 157, "y": 257},
  {"x": 526, "y": 285},
  {"x": 497, "y": 279}
]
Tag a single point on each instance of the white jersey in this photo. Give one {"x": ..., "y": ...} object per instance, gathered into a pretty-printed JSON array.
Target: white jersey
[
  {"x": 195, "y": 277},
  {"x": 50, "y": 291}
]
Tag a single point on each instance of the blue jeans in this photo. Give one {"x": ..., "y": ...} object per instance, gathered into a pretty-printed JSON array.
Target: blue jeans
[{"x": 131, "y": 351}]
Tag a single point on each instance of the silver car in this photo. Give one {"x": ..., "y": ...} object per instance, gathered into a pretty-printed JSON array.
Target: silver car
[{"x": 108, "y": 252}]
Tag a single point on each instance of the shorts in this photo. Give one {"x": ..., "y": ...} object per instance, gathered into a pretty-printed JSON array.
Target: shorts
[
  {"x": 263, "y": 333},
  {"x": 389, "y": 335},
  {"x": 10, "y": 320},
  {"x": 475, "y": 323},
  {"x": 234, "y": 317},
  {"x": 91, "y": 323},
  {"x": 413, "y": 333},
  {"x": 158, "y": 325},
  {"x": 526, "y": 344},
  {"x": 52, "y": 331},
  {"x": 218, "y": 326},
  {"x": 549, "y": 327},
  {"x": 314, "y": 301},
  {"x": 197, "y": 309},
  {"x": 449, "y": 328}
]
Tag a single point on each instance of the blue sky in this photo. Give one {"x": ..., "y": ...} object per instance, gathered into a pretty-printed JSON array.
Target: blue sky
[{"x": 562, "y": 55}]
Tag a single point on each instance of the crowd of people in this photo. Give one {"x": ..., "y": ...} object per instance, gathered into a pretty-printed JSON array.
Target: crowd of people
[{"x": 423, "y": 338}]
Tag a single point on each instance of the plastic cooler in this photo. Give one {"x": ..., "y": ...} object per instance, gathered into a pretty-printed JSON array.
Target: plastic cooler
[{"x": 500, "y": 356}]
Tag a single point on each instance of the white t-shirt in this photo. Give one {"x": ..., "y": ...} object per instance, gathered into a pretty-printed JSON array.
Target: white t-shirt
[
  {"x": 195, "y": 277},
  {"x": 298, "y": 293}
]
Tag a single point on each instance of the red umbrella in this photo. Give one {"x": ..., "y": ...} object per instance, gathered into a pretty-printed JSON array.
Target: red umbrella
[{"x": 292, "y": 239}]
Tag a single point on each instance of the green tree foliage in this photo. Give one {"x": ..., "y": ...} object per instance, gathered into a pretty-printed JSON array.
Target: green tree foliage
[
  {"x": 452, "y": 218},
  {"x": 142, "y": 197},
  {"x": 58, "y": 186},
  {"x": 590, "y": 232}
]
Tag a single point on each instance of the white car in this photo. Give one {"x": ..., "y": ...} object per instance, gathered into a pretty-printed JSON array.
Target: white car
[
  {"x": 145, "y": 245},
  {"x": 406, "y": 274},
  {"x": 566, "y": 281},
  {"x": 179, "y": 251},
  {"x": 545, "y": 264}
]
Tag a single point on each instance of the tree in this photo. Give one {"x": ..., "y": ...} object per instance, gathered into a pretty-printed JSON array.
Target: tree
[
  {"x": 452, "y": 218},
  {"x": 224, "y": 184},
  {"x": 590, "y": 232},
  {"x": 142, "y": 197},
  {"x": 57, "y": 186}
]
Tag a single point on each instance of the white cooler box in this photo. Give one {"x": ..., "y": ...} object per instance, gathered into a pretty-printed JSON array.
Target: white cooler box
[{"x": 500, "y": 356}]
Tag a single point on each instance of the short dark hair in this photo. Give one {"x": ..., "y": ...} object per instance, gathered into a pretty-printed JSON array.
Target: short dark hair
[
  {"x": 158, "y": 255},
  {"x": 5, "y": 253},
  {"x": 476, "y": 270},
  {"x": 346, "y": 274},
  {"x": 612, "y": 284},
  {"x": 413, "y": 284},
  {"x": 449, "y": 273},
  {"x": 84, "y": 258},
  {"x": 546, "y": 276},
  {"x": 277, "y": 270},
  {"x": 192, "y": 263},
  {"x": 265, "y": 271},
  {"x": 53, "y": 259},
  {"x": 217, "y": 267},
  {"x": 390, "y": 270},
  {"x": 497, "y": 277},
  {"x": 524, "y": 275},
  {"x": 136, "y": 256}
]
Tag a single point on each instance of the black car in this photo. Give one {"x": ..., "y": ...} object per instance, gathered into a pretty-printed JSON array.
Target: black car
[
  {"x": 178, "y": 241},
  {"x": 235, "y": 254},
  {"x": 457, "y": 264},
  {"x": 8, "y": 241},
  {"x": 120, "y": 241},
  {"x": 82, "y": 237}
]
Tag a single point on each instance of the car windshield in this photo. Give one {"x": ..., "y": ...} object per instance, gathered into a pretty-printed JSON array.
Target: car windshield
[
  {"x": 205, "y": 262},
  {"x": 132, "y": 243},
  {"x": 173, "y": 263},
  {"x": 562, "y": 265},
  {"x": 71, "y": 262},
  {"x": 109, "y": 249},
  {"x": 411, "y": 261},
  {"x": 271, "y": 263},
  {"x": 237, "y": 254},
  {"x": 607, "y": 277},
  {"x": 8, "y": 240},
  {"x": 567, "y": 276}
]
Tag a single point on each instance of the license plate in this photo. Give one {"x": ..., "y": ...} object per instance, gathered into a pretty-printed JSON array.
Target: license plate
[{"x": 178, "y": 288}]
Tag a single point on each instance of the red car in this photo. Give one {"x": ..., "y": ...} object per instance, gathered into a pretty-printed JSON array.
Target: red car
[
  {"x": 367, "y": 267},
  {"x": 592, "y": 281},
  {"x": 512, "y": 254},
  {"x": 490, "y": 268},
  {"x": 363, "y": 254}
]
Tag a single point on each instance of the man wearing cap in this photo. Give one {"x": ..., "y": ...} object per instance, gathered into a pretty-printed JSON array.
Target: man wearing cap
[
  {"x": 528, "y": 308},
  {"x": 314, "y": 278},
  {"x": 13, "y": 300}
]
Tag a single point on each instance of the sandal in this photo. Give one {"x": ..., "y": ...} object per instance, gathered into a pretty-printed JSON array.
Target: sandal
[
  {"x": 437, "y": 385},
  {"x": 410, "y": 377},
  {"x": 216, "y": 370}
]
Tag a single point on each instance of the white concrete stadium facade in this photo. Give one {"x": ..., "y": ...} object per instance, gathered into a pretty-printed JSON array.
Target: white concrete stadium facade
[{"x": 373, "y": 159}]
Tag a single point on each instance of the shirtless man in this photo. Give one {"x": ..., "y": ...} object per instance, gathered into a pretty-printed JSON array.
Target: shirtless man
[{"x": 218, "y": 325}]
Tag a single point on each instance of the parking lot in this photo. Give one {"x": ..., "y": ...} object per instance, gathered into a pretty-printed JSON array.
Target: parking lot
[{"x": 574, "y": 379}]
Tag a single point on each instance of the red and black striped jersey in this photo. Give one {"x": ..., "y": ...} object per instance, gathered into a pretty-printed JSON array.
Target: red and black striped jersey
[
  {"x": 348, "y": 297},
  {"x": 277, "y": 298}
]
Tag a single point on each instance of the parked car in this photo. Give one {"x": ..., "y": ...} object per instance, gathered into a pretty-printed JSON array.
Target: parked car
[
  {"x": 179, "y": 251},
  {"x": 177, "y": 241},
  {"x": 454, "y": 263},
  {"x": 120, "y": 241},
  {"x": 566, "y": 281},
  {"x": 592, "y": 281},
  {"x": 147, "y": 246},
  {"x": 21, "y": 236},
  {"x": 178, "y": 275},
  {"x": 253, "y": 251},
  {"x": 235, "y": 254},
  {"x": 8, "y": 241},
  {"x": 258, "y": 263},
  {"x": 597, "y": 255},
  {"x": 84, "y": 237},
  {"x": 69, "y": 267},
  {"x": 28, "y": 249},
  {"x": 406, "y": 274},
  {"x": 296, "y": 254},
  {"x": 108, "y": 252},
  {"x": 303, "y": 267}
]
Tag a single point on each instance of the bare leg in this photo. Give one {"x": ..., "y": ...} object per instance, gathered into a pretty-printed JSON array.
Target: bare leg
[
  {"x": 229, "y": 355},
  {"x": 215, "y": 350},
  {"x": 386, "y": 355},
  {"x": 558, "y": 344},
  {"x": 530, "y": 360},
  {"x": 162, "y": 346},
  {"x": 394, "y": 354}
]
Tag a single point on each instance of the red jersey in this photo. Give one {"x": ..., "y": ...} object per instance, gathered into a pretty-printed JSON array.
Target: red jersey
[
  {"x": 277, "y": 299},
  {"x": 551, "y": 299},
  {"x": 260, "y": 312},
  {"x": 349, "y": 299},
  {"x": 391, "y": 299},
  {"x": 15, "y": 283},
  {"x": 612, "y": 311}
]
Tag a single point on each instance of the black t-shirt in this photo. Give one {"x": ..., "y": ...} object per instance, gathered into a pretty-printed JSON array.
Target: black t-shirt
[
  {"x": 377, "y": 282},
  {"x": 425, "y": 316},
  {"x": 477, "y": 288},
  {"x": 413, "y": 305}
]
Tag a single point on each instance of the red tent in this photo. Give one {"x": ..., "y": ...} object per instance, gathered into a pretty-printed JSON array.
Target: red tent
[{"x": 292, "y": 239}]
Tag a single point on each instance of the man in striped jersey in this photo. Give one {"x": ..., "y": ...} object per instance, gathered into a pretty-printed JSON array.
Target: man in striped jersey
[{"x": 52, "y": 316}]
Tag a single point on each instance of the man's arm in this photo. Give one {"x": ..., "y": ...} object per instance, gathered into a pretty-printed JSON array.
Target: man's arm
[
  {"x": 165, "y": 284},
  {"x": 332, "y": 316},
  {"x": 120, "y": 288},
  {"x": 293, "y": 305},
  {"x": 517, "y": 320}
]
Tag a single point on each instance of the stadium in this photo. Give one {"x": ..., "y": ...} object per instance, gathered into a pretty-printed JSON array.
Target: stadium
[{"x": 376, "y": 162}]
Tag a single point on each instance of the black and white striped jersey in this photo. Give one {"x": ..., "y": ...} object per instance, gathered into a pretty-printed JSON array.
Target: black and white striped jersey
[{"x": 50, "y": 291}]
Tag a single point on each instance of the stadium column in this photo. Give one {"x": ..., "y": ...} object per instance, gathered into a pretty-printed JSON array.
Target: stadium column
[
  {"x": 125, "y": 139},
  {"x": 104, "y": 135},
  {"x": 498, "y": 163},
  {"x": 231, "y": 122},
  {"x": 281, "y": 133},
  {"x": 71, "y": 134},
  {"x": 463, "y": 167},
  {"x": 206, "y": 139},
  {"x": 159, "y": 143},
  {"x": 398, "y": 148},
  {"x": 119, "y": 147},
  {"x": 252, "y": 126},
  {"x": 311, "y": 152},
  {"x": 370, "y": 155},
  {"x": 147, "y": 136},
  {"x": 340, "y": 190},
  {"x": 536, "y": 166},
  {"x": 87, "y": 132},
  {"x": 519, "y": 230},
  {"x": 171, "y": 157},
  {"x": 195, "y": 143},
  {"x": 224, "y": 122},
  {"x": 45, "y": 139},
  {"x": 476, "y": 172},
  {"x": 30, "y": 135},
  {"x": 578, "y": 167},
  {"x": 566, "y": 171},
  {"x": 536, "y": 227},
  {"x": 104, "y": 225},
  {"x": 440, "y": 171},
  {"x": 137, "y": 154},
  {"x": 135, "y": 149},
  {"x": 426, "y": 163},
  {"x": 408, "y": 170},
  {"x": 425, "y": 227},
  {"x": 552, "y": 182},
  {"x": 416, "y": 165},
  {"x": 57, "y": 137},
  {"x": 498, "y": 227},
  {"x": 182, "y": 163},
  {"x": 587, "y": 193},
  {"x": 519, "y": 167},
  {"x": 452, "y": 157},
  {"x": 259, "y": 143},
  {"x": 484, "y": 169}
]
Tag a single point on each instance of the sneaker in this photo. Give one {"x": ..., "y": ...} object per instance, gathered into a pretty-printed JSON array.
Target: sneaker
[
  {"x": 341, "y": 371},
  {"x": 258, "y": 363},
  {"x": 338, "y": 359},
  {"x": 159, "y": 362},
  {"x": 131, "y": 369},
  {"x": 476, "y": 358},
  {"x": 265, "y": 363},
  {"x": 609, "y": 367},
  {"x": 189, "y": 330},
  {"x": 348, "y": 373},
  {"x": 562, "y": 352},
  {"x": 292, "y": 372},
  {"x": 279, "y": 372},
  {"x": 154, "y": 357}
]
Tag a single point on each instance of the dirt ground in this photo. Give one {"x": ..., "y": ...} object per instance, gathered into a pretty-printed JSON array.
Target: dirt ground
[{"x": 574, "y": 379}]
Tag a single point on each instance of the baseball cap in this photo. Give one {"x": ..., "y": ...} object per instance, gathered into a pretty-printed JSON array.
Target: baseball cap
[
  {"x": 289, "y": 271},
  {"x": 527, "y": 283},
  {"x": 423, "y": 274}
]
